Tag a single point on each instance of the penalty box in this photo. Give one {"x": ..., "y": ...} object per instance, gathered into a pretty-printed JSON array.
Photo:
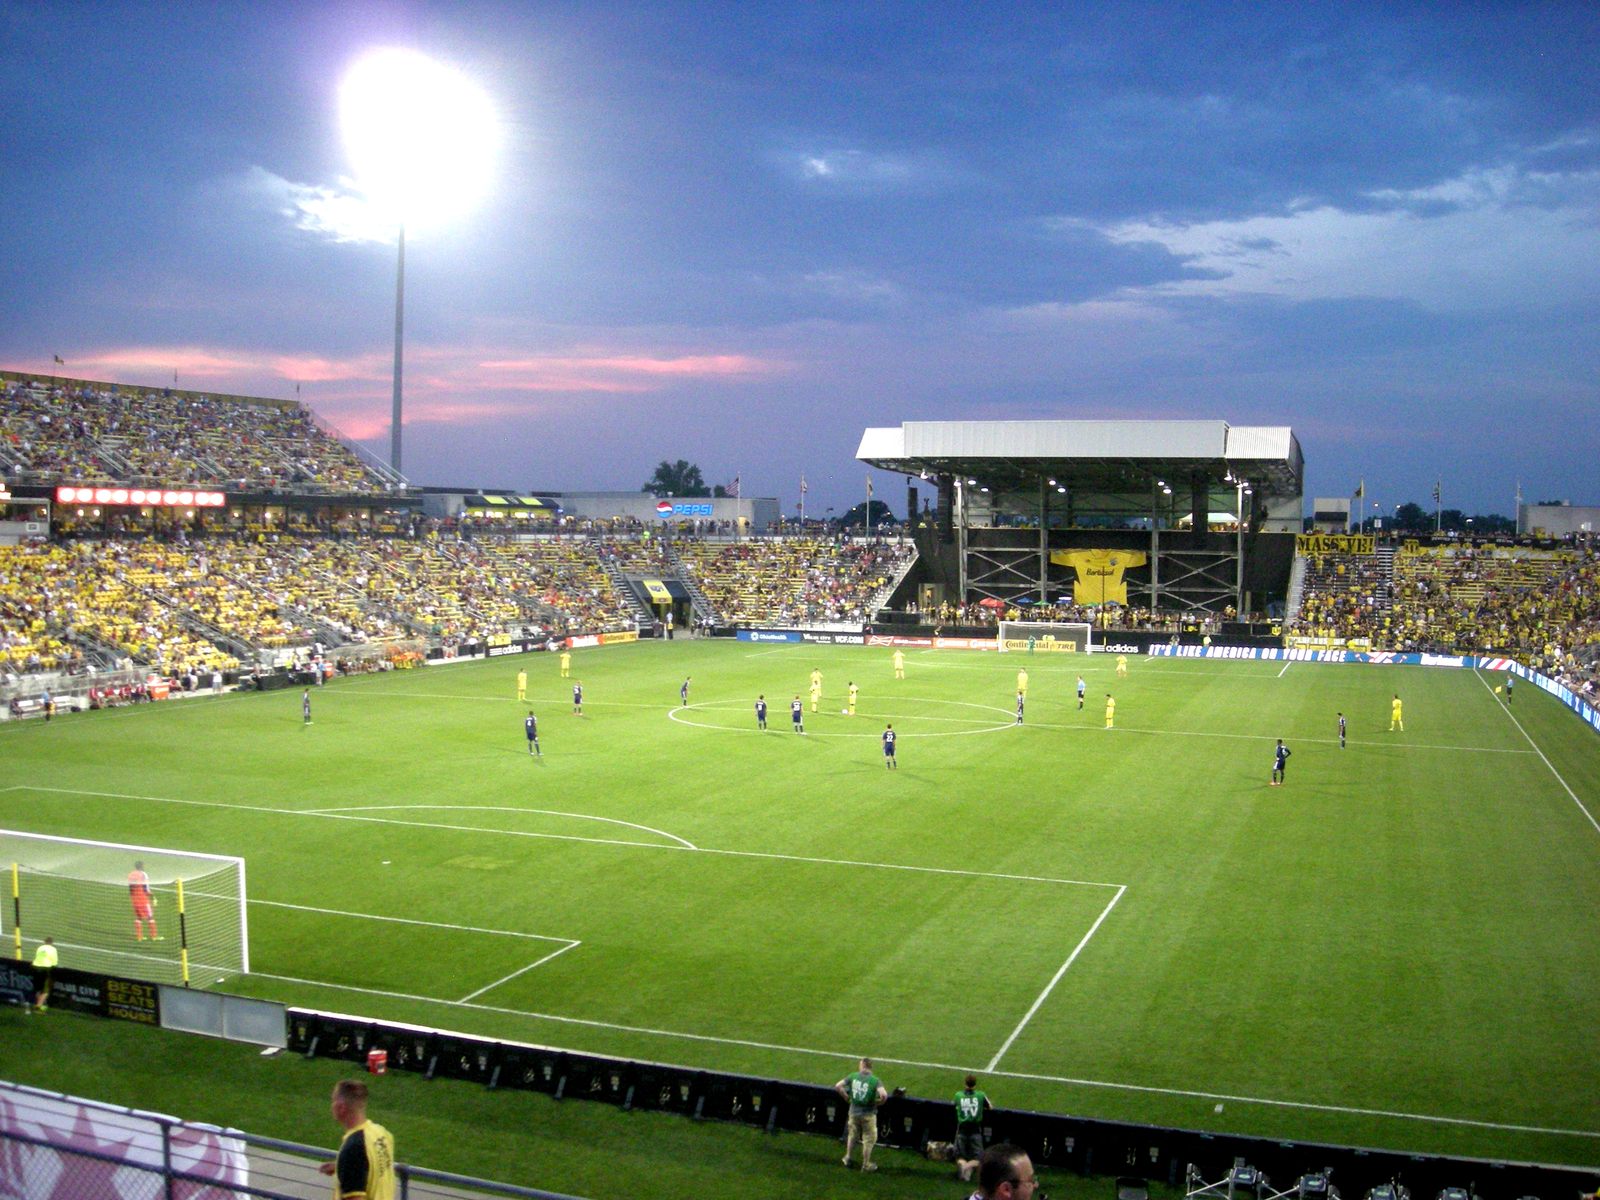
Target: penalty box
[{"x": 787, "y": 951}]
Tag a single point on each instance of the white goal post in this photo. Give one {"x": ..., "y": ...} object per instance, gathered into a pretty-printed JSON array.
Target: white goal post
[
  {"x": 91, "y": 898},
  {"x": 1046, "y": 637}
]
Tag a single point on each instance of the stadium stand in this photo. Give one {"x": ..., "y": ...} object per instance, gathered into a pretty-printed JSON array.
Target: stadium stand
[
  {"x": 1538, "y": 605},
  {"x": 81, "y": 434},
  {"x": 808, "y": 579}
]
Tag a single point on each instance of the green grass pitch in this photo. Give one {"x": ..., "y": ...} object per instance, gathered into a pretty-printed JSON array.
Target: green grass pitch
[{"x": 1398, "y": 948}]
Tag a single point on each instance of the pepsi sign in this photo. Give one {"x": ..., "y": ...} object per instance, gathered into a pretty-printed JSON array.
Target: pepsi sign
[{"x": 670, "y": 508}]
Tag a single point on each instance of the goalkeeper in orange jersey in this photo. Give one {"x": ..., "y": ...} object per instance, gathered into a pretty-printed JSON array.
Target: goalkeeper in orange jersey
[{"x": 144, "y": 904}]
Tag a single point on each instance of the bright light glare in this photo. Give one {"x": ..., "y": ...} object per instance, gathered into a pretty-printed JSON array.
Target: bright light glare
[{"x": 421, "y": 136}]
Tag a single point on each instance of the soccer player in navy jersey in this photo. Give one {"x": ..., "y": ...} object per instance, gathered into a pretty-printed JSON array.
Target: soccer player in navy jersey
[
  {"x": 797, "y": 714},
  {"x": 577, "y": 697},
  {"x": 683, "y": 693},
  {"x": 305, "y": 707},
  {"x": 1022, "y": 698},
  {"x": 1280, "y": 760},
  {"x": 1341, "y": 731},
  {"x": 888, "y": 747},
  {"x": 531, "y": 727},
  {"x": 761, "y": 712}
]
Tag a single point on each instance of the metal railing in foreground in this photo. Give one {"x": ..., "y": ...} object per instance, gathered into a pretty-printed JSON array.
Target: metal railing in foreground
[{"x": 58, "y": 1145}]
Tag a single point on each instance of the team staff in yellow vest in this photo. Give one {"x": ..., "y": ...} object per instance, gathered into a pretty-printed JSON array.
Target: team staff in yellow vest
[
  {"x": 364, "y": 1169},
  {"x": 44, "y": 961}
]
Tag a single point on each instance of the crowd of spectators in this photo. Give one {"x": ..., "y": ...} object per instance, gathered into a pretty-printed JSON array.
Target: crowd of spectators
[
  {"x": 800, "y": 580},
  {"x": 1346, "y": 597},
  {"x": 107, "y": 592},
  {"x": 1537, "y": 605},
  {"x": 74, "y": 433},
  {"x": 175, "y": 606}
]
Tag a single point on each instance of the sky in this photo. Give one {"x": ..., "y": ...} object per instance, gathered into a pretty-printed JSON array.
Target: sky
[{"x": 739, "y": 234}]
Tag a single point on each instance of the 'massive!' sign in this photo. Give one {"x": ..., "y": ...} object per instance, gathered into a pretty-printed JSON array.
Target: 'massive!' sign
[{"x": 1335, "y": 543}]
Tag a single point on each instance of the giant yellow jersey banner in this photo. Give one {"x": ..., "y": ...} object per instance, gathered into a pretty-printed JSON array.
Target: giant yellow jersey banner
[{"x": 1100, "y": 574}]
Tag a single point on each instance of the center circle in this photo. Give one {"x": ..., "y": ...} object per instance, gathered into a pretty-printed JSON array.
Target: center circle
[{"x": 778, "y": 712}]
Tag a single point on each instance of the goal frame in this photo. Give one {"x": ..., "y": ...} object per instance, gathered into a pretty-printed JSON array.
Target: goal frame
[
  {"x": 220, "y": 862},
  {"x": 1053, "y": 637}
]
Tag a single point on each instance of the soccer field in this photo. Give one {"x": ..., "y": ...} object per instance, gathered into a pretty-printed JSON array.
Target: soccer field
[{"x": 1398, "y": 948}]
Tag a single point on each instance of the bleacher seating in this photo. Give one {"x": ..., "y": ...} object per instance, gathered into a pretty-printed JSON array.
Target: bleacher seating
[
  {"x": 1536, "y": 605},
  {"x": 802, "y": 580},
  {"x": 79, "y": 434}
]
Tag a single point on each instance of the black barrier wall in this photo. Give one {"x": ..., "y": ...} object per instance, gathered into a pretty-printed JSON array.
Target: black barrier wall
[{"x": 1055, "y": 1141}]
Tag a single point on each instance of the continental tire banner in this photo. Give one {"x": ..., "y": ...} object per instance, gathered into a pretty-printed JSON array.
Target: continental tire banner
[
  {"x": 1335, "y": 543},
  {"x": 1048, "y": 644},
  {"x": 622, "y": 635}
]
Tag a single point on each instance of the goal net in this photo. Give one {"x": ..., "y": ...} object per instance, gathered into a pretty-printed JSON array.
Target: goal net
[
  {"x": 1045, "y": 637},
  {"x": 183, "y": 921}
]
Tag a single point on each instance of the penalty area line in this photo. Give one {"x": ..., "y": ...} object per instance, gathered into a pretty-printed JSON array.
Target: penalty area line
[
  {"x": 470, "y": 996},
  {"x": 1055, "y": 979}
]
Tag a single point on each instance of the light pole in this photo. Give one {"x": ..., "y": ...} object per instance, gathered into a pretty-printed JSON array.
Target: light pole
[
  {"x": 421, "y": 137},
  {"x": 399, "y": 356}
]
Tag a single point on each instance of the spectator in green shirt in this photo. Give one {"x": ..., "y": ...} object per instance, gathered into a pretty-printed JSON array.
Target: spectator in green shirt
[
  {"x": 865, "y": 1092},
  {"x": 971, "y": 1107}
]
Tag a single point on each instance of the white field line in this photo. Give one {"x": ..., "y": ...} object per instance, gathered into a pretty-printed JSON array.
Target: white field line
[
  {"x": 335, "y": 912},
  {"x": 545, "y": 812},
  {"x": 566, "y": 837},
  {"x": 470, "y": 996},
  {"x": 1581, "y": 806},
  {"x": 1051, "y": 986},
  {"x": 953, "y": 1068},
  {"x": 330, "y": 816},
  {"x": 1286, "y": 667},
  {"x": 1268, "y": 737},
  {"x": 567, "y": 943}
]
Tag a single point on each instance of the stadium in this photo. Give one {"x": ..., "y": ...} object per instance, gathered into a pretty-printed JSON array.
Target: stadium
[
  {"x": 664, "y": 600},
  {"x": 471, "y": 787}
]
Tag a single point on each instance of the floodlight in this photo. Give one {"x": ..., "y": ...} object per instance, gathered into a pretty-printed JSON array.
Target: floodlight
[
  {"x": 422, "y": 139},
  {"x": 421, "y": 136}
]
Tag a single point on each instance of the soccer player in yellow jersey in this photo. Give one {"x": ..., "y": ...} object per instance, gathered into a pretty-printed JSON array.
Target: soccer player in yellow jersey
[
  {"x": 364, "y": 1169},
  {"x": 566, "y": 663},
  {"x": 1022, "y": 683},
  {"x": 1122, "y": 664},
  {"x": 1395, "y": 715},
  {"x": 899, "y": 664},
  {"x": 522, "y": 685},
  {"x": 1111, "y": 710},
  {"x": 852, "y": 697}
]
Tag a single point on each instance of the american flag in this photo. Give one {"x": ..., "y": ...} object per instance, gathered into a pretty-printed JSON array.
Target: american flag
[{"x": 733, "y": 488}]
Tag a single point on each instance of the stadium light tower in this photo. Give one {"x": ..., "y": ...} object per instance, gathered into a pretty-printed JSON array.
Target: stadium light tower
[{"x": 421, "y": 137}]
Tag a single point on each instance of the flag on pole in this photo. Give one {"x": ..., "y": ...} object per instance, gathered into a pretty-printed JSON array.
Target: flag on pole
[
  {"x": 733, "y": 488},
  {"x": 869, "y": 487},
  {"x": 1361, "y": 491},
  {"x": 1439, "y": 484},
  {"x": 803, "y": 488},
  {"x": 60, "y": 361}
]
